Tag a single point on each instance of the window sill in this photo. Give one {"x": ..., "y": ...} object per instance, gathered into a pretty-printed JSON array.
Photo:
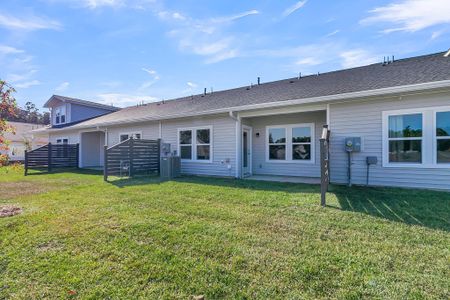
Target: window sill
[
  {"x": 416, "y": 166},
  {"x": 300, "y": 162},
  {"x": 197, "y": 161}
]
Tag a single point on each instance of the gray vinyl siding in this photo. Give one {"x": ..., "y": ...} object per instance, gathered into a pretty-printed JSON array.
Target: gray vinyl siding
[
  {"x": 223, "y": 144},
  {"x": 80, "y": 112},
  {"x": 365, "y": 119},
  {"x": 149, "y": 130},
  {"x": 262, "y": 167}
]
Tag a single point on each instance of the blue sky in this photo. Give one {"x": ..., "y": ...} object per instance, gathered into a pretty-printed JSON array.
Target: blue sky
[{"x": 127, "y": 51}]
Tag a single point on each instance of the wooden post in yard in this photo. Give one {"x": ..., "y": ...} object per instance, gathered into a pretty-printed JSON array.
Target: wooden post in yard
[
  {"x": 49, "y": 158},
  {"x": 25, "y": 163},
  {"x": 105, "y": 163},
  {"x": 324, "y": 165}
]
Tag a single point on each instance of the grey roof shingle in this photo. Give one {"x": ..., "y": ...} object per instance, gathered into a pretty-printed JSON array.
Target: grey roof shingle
[
  {"x": 81, "y": 102},
  {"x": 415, "y": 70}
]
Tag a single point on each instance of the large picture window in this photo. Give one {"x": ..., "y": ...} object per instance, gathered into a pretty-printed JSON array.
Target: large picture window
[
  {"x": 405, "y": 138},
  {"x": 417, "y": 138},
  {"x": 195, "y": 144},
  {"x": 290, "y": 143},
  {"x": 443, "y": 137}
]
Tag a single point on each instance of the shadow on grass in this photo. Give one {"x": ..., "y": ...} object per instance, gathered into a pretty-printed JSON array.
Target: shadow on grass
[
  {"x": 218, "y": 182},
  {"x": 415, "y": 207},
  {"x": 44, "y": 171}
]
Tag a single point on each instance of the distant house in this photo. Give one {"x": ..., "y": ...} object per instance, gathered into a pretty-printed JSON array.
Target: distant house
[
  {"x": 22, "y": 139},
  {"x": 398, "y": 111}
]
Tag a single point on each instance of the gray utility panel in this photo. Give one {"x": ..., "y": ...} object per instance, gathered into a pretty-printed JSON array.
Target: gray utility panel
[
  {"x": 353, "y": 144},
  {"x": 170, "y": 167}
]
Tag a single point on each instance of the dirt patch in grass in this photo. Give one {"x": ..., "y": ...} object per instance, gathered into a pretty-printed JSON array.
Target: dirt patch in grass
[{"x": 9, "y": 211}]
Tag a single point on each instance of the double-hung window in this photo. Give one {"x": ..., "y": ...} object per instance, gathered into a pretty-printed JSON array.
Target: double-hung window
[
  {"x": 443, "y": 137},
  {"x": 60, "y": 115},
  {"x": 405, "y": 138},
  {"x": 195, "y": 144},
  {"x": 417, "y": 138},
  {"x": 290, "y": 143}
]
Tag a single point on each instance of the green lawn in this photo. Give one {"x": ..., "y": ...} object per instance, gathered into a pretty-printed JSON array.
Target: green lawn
[{"x": 80, "y": 237}]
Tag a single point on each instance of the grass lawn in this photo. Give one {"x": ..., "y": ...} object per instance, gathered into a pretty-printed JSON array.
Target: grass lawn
[{"x": 79, "y": 237}]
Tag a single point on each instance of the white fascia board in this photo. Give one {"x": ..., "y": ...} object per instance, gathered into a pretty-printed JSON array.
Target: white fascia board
[{"x": 420, "y": 87}]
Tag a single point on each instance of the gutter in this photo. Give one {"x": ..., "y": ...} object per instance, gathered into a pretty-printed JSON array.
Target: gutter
[{"x": 420, "y": 87}]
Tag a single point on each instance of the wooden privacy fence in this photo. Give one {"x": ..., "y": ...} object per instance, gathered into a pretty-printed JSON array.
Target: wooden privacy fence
[
  {"x": 324, "y": 163},
  {"x": 52, "y": 156},
  {"x": 132, "y": 157}
]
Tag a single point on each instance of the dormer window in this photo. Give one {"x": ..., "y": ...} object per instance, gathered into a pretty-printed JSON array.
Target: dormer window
[{"x": 60, "y": 115}]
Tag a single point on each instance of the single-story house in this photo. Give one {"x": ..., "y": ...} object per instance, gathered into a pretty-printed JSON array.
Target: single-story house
[
  {"x": 399, "y": 110},
  {"x": 22, "y": 139}
]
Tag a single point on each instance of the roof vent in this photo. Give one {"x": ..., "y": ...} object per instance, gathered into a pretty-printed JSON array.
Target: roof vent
[
  {"x": 447, "y": 54},
  {"x": 259, "y": 80}
]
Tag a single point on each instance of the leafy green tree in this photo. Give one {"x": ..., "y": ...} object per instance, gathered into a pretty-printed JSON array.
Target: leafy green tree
[{"x": 7, "y": 110}]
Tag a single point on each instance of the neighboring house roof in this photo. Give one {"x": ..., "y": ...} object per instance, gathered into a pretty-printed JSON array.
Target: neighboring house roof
[
  {"x": 376, "y": 77},
  {"x": 24, "y": 131},
  {"x": 56, "y": 99}
]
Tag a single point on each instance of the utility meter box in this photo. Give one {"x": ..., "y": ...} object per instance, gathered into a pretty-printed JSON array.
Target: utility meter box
[
  {"x": 170, "y": 167},
  {"x": 353, "y": 144},
  {"x": 165, "y": 149}
]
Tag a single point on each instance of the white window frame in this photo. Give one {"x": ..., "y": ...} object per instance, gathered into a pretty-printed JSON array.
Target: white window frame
[
  {"x": 436, "y": 137},
  {"x": 132, "y": 133},
  {"x": 62, "y": 140},
  {"x": 429, "y": 138},
  {"x": 289, "y": 144},
  {"x": 194, "y": 144},
  {"x": 59, "y": 110}
]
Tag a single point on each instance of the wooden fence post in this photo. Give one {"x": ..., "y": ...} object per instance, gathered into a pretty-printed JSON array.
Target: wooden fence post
[
  {"x": 49, "y": 158},
  {"x": 78, "y": 155},
  {"x": 25, "y": 165},
  {"x": 324, "y": 165},
  {"x": 105, "y": 163},
  {"x": 159, "y": 156},
  {"x": 131, "y": 156}
]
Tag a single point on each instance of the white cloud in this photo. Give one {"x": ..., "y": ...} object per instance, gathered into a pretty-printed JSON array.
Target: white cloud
[
  {"x": 99, "y": 3},
  {"x": 27, "y": 84},
  {"x": 290, "y": 10},
  {"x": 28, "y": 23},
  {"x": 235, "y": 17},
  {"x": 205, "y": 37},
  {"x": 123, "y": 100},
  {"x": 14, "y": 78},
  {"x": 333, "y": 33},
  {"x": 411, "y": 15},
  {"x": 9, "y": 50},
  {"x": 147, "y": 84},
  {"x": 357, "y": 57},
  {"x": 191, "y": 84},
  {"x": 62, "y": 87},
  {"x": 308, "y": 61}
]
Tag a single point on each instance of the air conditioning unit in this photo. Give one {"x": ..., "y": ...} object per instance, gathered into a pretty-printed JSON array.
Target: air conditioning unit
[{"x": 170, "y": 167}]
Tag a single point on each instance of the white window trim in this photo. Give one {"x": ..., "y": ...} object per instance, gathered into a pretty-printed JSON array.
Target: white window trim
[
  {"x": 60, "y": 109},
  {"x": 289, "y": 160},
  {"x": 131, "y": 133},
  {"x": 429, "y": 139},
  {"x": 194, "y": 144},
  {"x": 62, "y": 139}
]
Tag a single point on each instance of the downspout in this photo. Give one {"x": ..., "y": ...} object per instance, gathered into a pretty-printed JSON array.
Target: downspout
[
  {"x": 237, "y": 142},
  {"x": 160, "y": 130}
]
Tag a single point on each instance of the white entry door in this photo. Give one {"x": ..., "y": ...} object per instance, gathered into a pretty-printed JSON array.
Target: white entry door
[{"x": 246, "y": 151}]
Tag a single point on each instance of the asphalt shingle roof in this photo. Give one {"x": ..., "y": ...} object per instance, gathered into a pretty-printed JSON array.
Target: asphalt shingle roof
[{"x": 415, "y": 70}]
